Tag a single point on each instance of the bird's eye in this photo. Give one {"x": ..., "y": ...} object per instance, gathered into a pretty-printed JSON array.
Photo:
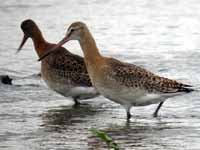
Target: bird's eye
[{"x": 72, "y": 30}]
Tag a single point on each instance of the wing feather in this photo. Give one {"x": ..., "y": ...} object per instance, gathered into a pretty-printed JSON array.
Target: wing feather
[
  {"x": 134, "y": 76},
  {"x": 69, "y": 66}
]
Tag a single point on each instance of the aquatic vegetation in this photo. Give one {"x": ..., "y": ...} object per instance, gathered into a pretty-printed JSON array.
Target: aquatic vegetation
[{"x": 106, "y": 138}]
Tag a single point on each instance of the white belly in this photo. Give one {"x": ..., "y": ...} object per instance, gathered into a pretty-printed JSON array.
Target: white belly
[
  {"x": 69, "y": 90},
  {"x": 130, "y": 96},
  {"x": 58, "y": 87}
]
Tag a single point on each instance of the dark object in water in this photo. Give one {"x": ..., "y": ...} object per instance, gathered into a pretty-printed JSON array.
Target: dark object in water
[
  {"x": 39, "y": 74},
  {"x": 5, "y": 79}
]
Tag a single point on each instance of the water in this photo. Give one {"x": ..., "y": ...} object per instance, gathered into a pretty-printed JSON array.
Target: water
[{"x": 162, "y": 36}]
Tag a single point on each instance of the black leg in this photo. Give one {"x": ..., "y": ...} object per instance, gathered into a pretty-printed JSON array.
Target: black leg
[
  {"x": 128, "y": 114},
  {"x": 77, "y": 103},
  {"x": 155, "y": 114}
]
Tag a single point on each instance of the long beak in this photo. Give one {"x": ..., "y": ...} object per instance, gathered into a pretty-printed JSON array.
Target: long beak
[
  {"x": 22, "y": 43},
  {"x": 62, "y": 42}
]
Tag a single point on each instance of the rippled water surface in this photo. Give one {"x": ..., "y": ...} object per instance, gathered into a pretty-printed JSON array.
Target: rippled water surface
[{"x": 160, "y": 35}]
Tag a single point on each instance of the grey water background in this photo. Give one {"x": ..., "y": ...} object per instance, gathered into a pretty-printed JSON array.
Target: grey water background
[{"x": 162, "y": 36}]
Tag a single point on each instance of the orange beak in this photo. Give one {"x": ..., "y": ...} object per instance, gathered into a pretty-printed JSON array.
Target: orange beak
[
  {"x": 25, "y": 38},
  {"x": 62, "y": 42}
]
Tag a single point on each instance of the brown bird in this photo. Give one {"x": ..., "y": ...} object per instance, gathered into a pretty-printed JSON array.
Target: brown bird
[
  {"x": 63, "y": 72},
  {"x": 123, "y": 83}
]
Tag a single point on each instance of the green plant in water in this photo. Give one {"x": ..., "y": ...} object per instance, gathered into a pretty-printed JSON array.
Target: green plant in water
[{"x": 104, "y": 137}]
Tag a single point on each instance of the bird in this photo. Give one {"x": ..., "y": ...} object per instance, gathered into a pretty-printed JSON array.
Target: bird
[
  {"x": 63, "y": 72},
  {"x": 124, "y": 83}
]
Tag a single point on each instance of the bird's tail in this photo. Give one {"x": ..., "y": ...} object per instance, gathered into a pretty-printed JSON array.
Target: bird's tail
[{"x": 188, "y": 88}]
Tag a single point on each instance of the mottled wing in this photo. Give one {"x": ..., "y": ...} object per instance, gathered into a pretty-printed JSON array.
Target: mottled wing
[
  {"x": 134, "y": 76},
  {"x": 70, "y": 66}
]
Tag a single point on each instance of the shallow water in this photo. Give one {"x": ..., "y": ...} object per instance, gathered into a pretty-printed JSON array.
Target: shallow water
[{"x": 162, "y": 36}]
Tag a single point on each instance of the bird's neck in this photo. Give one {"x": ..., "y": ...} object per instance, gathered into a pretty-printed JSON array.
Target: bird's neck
[
  {"x": 39, "y": 43},
  {"x": 90, "y": 50},
  {"x": 93, "y": 59}
]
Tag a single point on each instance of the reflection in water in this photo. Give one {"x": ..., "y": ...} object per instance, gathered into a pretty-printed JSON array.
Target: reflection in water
[
  {"x": 60, "y": 118},
  {"x": 137, "y": 134}
]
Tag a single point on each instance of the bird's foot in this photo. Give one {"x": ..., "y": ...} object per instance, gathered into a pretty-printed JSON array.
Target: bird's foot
[
  {"x": 155, "y": 114},
  {"x": 77, "y": 103},
  {"x": 128, "y": 116}
]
